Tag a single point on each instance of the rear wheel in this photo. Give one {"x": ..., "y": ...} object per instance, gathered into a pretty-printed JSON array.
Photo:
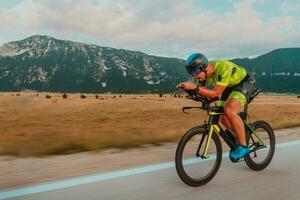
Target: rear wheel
[
  {"x": 193, "y": 169},
  {"x": 262, "y": 155}
]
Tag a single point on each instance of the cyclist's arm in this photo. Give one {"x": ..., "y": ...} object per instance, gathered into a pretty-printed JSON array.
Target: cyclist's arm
[{"x": 211, "y": 93}]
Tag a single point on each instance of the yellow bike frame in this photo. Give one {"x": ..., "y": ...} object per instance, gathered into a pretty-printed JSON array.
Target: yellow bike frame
[
  {"x": 211, "y": 130},
  {"x": 215, "y": 128}
]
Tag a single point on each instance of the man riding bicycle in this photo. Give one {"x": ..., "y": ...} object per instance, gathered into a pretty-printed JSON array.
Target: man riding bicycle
[{"x": 232, "y": 83}]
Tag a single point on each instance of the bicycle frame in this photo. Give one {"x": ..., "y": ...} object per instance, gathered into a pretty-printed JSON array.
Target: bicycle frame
[{"x": 213, "y": 125}]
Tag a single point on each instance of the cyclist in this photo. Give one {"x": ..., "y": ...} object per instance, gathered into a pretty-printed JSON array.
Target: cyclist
[{"x": 229, "y": 81}]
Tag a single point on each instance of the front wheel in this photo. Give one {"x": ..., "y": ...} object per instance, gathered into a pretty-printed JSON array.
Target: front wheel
[
  {"x": 261, "y": 155},
  {"x": 192, "y": 168}
]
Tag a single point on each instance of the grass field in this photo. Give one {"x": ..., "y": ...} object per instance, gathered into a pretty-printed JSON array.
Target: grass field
[{"x": 32, "y": 125}]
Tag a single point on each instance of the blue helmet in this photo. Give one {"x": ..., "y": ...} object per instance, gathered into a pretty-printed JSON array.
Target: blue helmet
[{"x": 195, "y": 63}]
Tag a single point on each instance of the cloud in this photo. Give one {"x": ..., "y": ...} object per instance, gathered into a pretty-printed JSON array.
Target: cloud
[
  {"x": 287, "y": 7},
  {"x": 168, "y": 27}
]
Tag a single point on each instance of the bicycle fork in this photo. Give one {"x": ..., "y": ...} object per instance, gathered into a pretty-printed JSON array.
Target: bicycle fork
[{"x": 212, "y": 128}]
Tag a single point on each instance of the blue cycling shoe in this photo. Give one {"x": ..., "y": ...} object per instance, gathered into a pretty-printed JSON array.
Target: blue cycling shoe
[{"x": 239, "y": 152}]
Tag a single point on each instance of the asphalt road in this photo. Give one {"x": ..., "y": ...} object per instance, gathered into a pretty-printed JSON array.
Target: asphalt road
[{"x": 281, "y": 180}]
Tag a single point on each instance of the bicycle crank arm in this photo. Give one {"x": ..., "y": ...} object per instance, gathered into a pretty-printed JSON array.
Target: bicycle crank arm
[{"x": 257, "y": 148}]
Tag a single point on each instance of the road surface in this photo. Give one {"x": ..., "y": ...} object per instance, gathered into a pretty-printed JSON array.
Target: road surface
[{"x": 281, "y": 180}]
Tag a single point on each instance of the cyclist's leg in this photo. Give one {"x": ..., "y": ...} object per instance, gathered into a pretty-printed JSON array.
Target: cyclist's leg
[
  {"x": 224, "y": 120},
  {"x": 233, "y": 105}
]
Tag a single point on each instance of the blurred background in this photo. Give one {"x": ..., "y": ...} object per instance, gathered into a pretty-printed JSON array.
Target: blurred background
[{"x": 88, "y": 86}]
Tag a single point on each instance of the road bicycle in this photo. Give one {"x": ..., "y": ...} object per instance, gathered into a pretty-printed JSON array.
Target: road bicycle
[{"x": 199, "y": 152}]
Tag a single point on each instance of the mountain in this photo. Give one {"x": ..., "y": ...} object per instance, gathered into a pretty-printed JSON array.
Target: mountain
[
  {"x": 44, "y": 63},
  {"x": 47, "y": 64},
  {"x": 276, "y": 71},
  {"x": 276, "y": 61}
]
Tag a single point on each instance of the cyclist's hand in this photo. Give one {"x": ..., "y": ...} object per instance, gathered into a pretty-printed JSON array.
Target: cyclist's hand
[
  {"x": 187, "y": 86},
  {"x": 180, "y": 85}
]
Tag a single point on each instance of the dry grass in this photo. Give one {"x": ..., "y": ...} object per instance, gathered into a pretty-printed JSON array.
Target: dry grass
[{"x": 32, "y": 125}]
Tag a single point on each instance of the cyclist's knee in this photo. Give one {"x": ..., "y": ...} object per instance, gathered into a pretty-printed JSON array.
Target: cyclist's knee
[{"x": 232, "y": 107}]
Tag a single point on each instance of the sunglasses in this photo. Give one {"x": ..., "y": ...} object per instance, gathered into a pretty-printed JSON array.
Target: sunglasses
[{"x": 196, "y": 71}]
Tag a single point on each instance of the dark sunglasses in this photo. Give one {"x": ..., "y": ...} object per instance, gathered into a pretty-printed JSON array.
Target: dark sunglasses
[{"x": 196, "y": 71}]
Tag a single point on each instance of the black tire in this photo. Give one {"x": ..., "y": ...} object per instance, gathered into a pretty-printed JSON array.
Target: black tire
[
  {"x": 250, "y": 159},
  {"x": 180, "y": 168}
]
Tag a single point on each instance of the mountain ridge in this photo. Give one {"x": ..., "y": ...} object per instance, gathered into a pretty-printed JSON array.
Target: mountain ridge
[
  {"x": 44, "y": 63},
  {"x": 41, "y": 62}
]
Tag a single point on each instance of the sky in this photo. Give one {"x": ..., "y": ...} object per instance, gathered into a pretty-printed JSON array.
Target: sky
[{"x": 172, "y": 28}]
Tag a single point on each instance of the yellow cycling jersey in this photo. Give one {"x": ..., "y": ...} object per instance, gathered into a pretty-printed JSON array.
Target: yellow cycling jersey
[{"x": 226, "y": 73}]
